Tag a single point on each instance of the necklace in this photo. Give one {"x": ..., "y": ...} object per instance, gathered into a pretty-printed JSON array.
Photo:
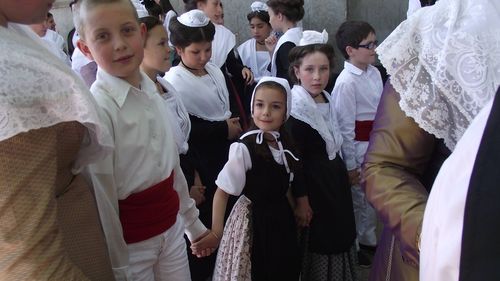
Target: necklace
[
  {"x": 261, "y": 43},
  {"x": 197, "y": 72}
]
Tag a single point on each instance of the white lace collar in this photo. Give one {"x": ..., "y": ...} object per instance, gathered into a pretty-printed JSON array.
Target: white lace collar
[
  {"x": 444, "y": 61},
  {"x": 306, "y": 110},
  {"x": 38, "y": 91}
]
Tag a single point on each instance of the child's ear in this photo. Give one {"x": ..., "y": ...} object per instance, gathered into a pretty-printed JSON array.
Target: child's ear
[
  {"x": 144, "y": 31},
  {"x": 178, "y": 50},
  {"x": 84, "y": 48},
  {"x": 349, "y": 50},
  {"x": 297, "y": 72}
]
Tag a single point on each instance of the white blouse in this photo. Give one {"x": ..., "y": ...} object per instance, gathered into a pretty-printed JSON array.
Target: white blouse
[{"x": 232, "y": 177}]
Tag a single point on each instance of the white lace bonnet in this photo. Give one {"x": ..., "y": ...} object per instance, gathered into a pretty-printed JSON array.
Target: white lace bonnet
[{"x": 444, "y": 61}]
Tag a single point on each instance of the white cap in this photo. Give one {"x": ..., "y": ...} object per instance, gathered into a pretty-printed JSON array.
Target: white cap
[
  {"x": 194, "y": 18},
  {"x": 282, "y": 82},
  {"x": 258, "y": 6},
  {"x": 313, "y": 37}
]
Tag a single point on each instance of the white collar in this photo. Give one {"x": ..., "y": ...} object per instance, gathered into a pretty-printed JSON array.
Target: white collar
[{"x": 118, "y": 89}]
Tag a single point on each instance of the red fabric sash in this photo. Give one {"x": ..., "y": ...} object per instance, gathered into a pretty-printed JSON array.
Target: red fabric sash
[
  {"x": 150, "y": 212},
  {"x": 362, "y": 130}
]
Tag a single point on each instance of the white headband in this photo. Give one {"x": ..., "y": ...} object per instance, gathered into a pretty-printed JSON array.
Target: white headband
[
  {"x": 310, "y": 37},
  {"x": 258, "y": 6},
  {"x": 194, "y": 18},
  {"x": 282, "y": 82}
]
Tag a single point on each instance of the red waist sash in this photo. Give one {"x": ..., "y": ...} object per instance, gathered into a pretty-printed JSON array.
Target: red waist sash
[
  {"x": 150, "y": 212},
  {"x": 362, "y": 130}
]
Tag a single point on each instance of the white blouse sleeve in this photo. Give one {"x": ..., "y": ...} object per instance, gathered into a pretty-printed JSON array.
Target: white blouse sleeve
[{"x": 232, "y": 178}]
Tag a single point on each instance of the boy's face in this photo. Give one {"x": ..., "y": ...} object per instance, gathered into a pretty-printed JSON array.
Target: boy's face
[
  {"x": 362, "y": 56},
  {"x": 114, "y": 39}
]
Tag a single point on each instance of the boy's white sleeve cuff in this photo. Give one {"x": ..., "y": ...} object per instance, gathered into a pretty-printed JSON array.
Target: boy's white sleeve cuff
[
  {"x": 122, "y": 273},
  {"x": 350, "y": 164},
  {"x": 195, "y": 230}
]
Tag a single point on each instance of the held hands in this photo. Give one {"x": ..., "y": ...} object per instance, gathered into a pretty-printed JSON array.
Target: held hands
[
  {"x": 247, "y": 75},
  {"x": 303, "y": 212},
  {"x": 271, "y": 43},
  {"x": 233, "y": 128},
  {"x": 206, "y": 244}
]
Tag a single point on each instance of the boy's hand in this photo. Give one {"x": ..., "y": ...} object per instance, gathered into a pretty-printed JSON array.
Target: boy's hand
[{"x": 233, "y": 128}]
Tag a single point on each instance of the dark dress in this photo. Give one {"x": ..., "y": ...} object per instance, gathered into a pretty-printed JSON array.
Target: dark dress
[
  {"x": 332, "y": 230},
  {"x": 274, "y": 252}
]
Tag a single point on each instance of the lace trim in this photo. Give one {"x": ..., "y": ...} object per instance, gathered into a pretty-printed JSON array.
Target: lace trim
[
  {"x": 445, "y": 65},
  {"x": 38, "y": 91}
]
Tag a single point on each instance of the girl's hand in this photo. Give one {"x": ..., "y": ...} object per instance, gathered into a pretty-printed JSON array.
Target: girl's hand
[
  {"x": 303, "y": 212},
  {"x": 354, "y": 177},
  {"x": 206, "y": 245},
  {"x": 197, "y": 192},
  {"x": 233, "y": 128},
  {"x": 271, "y": 43},
  {"x": 247, "y": 75}
]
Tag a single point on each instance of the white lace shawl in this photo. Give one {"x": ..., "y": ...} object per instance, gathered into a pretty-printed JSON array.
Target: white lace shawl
[
  {"x": 305, "y": 109},
  {"x": 38, "y": 91},
  {"x": 180, "y": 120},
  {"x": 207, "y": 105},
  {"x": 444, "y": 61}
]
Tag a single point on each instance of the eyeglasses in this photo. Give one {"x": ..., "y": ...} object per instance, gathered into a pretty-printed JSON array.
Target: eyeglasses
[{"x": 369, "y": 45}]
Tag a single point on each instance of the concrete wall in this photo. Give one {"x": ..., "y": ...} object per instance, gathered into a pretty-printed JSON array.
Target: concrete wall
[{"x": 384, "y": 15}]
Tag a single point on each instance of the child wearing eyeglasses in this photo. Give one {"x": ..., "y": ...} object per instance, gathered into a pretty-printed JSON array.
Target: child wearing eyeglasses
[{"x": 356, "y": 96}]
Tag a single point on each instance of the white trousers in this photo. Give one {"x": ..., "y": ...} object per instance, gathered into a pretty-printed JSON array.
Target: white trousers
[
  {"x": 365, "y": 216},
  {"x": 162, "y": 257}
]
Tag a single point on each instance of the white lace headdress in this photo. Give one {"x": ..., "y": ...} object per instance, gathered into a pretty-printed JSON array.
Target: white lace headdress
[{"x": 444, "y": 61}]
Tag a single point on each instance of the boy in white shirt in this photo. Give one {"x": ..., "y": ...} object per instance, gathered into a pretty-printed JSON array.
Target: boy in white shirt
[
  {"x": 356, "y": 96},
  {"x": 142, "y": 195}
]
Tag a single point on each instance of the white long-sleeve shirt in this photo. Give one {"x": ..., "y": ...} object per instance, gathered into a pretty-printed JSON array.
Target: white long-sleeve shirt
[
  {"x": 356, "y": 96},
  {"x": 145, "y": 154}
]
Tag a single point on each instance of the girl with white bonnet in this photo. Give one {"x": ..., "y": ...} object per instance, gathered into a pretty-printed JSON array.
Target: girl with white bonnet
[
  {"x": 259, "y": 240},
  {"x": 327, "y": 216}
]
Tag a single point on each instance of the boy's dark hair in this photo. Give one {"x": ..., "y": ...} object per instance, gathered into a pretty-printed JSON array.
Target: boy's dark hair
[
  {"x": 150, "y": 22},
  {"x": 262, "y": 15},
  {"x": 298, "y": 53},
  {"x": 192, "y": 4},
  {"x": 182, "y": 36},
  {"x": 351, "y": 33},
  {"x": 293, "y": 10}
]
